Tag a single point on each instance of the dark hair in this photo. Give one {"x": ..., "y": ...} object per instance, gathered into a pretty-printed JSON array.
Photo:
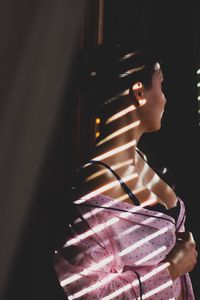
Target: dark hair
[{"x": 107, "y": 71}]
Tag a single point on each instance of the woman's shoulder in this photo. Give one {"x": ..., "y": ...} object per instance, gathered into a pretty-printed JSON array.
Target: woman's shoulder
[{"x": 93, "y": 178}]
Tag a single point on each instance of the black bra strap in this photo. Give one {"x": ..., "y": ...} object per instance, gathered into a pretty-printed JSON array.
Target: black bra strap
[
  {"x": 122, "y": 183},
  {"x": 139, "y": 152}
]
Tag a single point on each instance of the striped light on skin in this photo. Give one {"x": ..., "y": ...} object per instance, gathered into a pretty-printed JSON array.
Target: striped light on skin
[
  {"x": 124, "y": 112},
  {"x": 115, "y": 151},
  {"x": 155, "y": 179},
  {"x": 104, "y": 188},
  {"x": 119, "y": 132},
  {"x": 121, "y": 114},
  {"x": 125, "y": 196},
  {"x": 114, "y": 167},
  {"x": 143, "y": 204}
]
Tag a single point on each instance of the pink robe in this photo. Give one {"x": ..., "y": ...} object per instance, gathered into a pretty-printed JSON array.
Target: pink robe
[{"x": 121, "y": 254}]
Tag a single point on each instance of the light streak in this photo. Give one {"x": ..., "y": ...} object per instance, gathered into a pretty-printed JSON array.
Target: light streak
[
  {"x": 114, "y": 167},
  {"x": 110, "y": 100},
  {"x": 141, "y": 242},
  {"x": 115, "y": 151},
  {"x": 144, "y": 170},
  {"x": 121, "y": 114},
  {"x": 151, "y": 255},
  {"x": 158, "y": 289},
  {"x": 98, "y": 228},
  {"x": 109, "y": 259},
  {"x": 127, "y": 287},
  {"x": 142, "y": 278},
  {"x": 118, "y": 292},
  {"x": 127, "y": 231},
  {"x": 124, "y": 233},
  {"x": 104, "y": 188},
  {"x": 128, "y": 55},
  {"x": 93, "y": 287},
  {"x": 87, "y": 234},
  {"x": 155, "y": 271},
  {"x": 154, "y": 180},
  {"x": 118, "y": 132},
  {"x": 131, "y": 71},
  {"x": 87, "y": 271},
  {"x": 135, "y": 192},
  {"x": 118, "y": 200}
]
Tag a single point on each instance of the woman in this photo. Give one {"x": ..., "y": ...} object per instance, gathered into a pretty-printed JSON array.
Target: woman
[{"x": 128, "y": 240}]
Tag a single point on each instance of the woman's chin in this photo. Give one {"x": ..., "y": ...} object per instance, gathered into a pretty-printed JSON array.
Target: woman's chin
[{"x": 154, "y": 128}]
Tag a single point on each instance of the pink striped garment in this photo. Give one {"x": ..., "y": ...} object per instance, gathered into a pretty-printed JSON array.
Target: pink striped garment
[{"x": 117, "y": 251}]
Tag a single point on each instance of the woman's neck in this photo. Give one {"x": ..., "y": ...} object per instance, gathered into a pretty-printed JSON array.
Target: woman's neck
[{"x": 118, "y": 139}]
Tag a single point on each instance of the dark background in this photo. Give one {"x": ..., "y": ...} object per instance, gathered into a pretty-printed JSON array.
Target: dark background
[{"x": 175, "y": 32}]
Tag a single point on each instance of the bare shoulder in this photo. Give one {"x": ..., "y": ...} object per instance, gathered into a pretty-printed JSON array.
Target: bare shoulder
[{"x": 155, "y": 183}]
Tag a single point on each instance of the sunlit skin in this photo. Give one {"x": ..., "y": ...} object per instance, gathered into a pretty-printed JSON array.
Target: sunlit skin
[
  {"x": 133, "y": 122},
  {"x": 115, "y": 167}
]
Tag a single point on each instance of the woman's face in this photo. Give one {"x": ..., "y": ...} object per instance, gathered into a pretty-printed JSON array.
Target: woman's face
[{"x": 152, "y": 110}]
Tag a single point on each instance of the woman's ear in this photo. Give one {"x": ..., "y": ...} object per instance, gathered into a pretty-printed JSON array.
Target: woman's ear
[
  {"x": 138, "y": 90},
  {"x": 138, "y": 93}
]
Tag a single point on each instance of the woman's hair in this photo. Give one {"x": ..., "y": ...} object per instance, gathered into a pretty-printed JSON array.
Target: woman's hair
[{"x": 108, "y": 71}]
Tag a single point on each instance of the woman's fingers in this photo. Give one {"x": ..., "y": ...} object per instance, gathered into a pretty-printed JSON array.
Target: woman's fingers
[{"x": 186, "y": 236}]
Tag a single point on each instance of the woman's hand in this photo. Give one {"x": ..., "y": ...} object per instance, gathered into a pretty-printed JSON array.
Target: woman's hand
[{"x": 183, "y": 257}]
